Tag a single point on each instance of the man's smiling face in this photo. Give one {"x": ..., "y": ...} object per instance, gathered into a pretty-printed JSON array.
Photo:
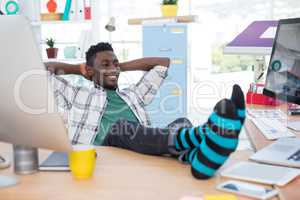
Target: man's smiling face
[
  {"x": 106, "y": 70},
  {"x": 103, "y": 65}
]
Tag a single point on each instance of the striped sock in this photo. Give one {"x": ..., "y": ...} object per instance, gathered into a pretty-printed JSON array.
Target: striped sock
[
  {"x": 211, "y": 144},
  {"x": 221, "y": 139},
  {"x": 237, "y": 97},
  {"x": 188, "y": 138}
]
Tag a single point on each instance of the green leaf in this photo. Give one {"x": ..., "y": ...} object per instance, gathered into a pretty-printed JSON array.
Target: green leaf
[
  {"x": 169, "y": 2},
  {"x": 50, "y": 42}
]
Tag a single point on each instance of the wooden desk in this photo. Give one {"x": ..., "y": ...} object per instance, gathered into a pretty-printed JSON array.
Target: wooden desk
[
  {"x": 119, "y": 174},
  {"x": 290, "y": 191}
]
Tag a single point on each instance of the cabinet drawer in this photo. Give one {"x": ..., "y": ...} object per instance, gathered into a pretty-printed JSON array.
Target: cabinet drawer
[
  {"x": 166, "y": 41},
  {"x": 166, "y": 35},
  {"x": 177, "y": 74},
  {"x": 168, "y": 104},
  {"x": 172, "y": 88},
  {"x": 170, "y": 50}
]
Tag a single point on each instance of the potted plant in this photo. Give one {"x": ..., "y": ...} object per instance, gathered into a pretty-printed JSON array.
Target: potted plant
[
  {"x": 51, "y": 51},
  {"x": 169, "y": 8}
]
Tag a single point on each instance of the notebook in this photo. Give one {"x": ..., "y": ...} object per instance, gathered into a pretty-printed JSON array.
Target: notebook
[
  {"x": 57, "y": 161},
  {"x": 261, "y": 173}
]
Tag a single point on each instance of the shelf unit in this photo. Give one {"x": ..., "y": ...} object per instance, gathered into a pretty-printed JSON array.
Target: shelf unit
[
  {"x": 69, "y": 60},
  {"x": 40, "y": 23},
  {"x": 178, "y": 19},
  {"x": 32, "y": 10}
]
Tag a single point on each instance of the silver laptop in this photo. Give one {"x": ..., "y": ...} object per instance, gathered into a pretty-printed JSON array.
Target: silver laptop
[
  {"x": 27, "y": 111},
  {"x": 285, "y": 152}
]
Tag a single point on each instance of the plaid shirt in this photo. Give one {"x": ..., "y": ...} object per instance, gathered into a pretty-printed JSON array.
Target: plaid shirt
[{"x": 82, "y": 108}]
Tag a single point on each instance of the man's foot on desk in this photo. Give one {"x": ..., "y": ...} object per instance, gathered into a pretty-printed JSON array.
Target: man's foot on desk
[
  {"x": 188, "y": 138},
  {"x": 208, "y": 146}
]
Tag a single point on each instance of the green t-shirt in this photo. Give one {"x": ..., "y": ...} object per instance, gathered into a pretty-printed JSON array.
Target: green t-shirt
[{"x": 116, "y": 109}]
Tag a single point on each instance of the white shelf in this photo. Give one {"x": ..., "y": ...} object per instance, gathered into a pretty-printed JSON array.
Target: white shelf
[
  {"x": 43, "y": 42},
  {"x": 41, "y": 28},
  {"x": 247, "y": 50},
  {"x": 39, "y": 23},
  {"x": 179, "y": 19},
  {"x": 65, "y": 60}
]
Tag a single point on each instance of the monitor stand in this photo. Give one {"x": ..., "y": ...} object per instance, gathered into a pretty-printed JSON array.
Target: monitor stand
[{"x": 294, "y": 110}]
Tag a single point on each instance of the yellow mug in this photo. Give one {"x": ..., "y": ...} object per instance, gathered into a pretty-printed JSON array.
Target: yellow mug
[{"x": 82, "y": 161}]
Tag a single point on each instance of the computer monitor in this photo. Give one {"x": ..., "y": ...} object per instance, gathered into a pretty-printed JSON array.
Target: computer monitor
[
  {"x": 27, "y": 108},
  {"x": 27, "y": 114},
  {"x": 283, "y": 76}
]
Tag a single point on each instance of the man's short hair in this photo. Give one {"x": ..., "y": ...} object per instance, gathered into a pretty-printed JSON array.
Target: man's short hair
[{"x": 94, "y": 49}]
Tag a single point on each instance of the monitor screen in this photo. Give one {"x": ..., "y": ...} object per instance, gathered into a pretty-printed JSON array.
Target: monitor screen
[{"x": 283, "y": 76}]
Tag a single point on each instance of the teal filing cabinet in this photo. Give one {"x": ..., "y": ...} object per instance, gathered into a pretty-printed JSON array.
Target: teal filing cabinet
[{"x": 168, "y": 40}]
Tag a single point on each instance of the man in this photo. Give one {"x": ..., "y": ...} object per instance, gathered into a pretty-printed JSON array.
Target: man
[{"x": 105, "y": 115}]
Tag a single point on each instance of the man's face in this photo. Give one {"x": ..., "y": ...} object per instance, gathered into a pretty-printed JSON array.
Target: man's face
[{"x": 106, "y": 70}]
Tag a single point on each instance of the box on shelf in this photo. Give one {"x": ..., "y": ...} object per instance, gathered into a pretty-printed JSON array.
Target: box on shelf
[
  {"x": 255, "y": 96},
  {"x": 260, "y": 99}
]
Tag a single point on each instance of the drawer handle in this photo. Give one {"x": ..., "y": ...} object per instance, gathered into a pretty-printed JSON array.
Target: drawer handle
[
  {"x": 176, "y": 92},
  {"x": 177, "y": 30},
  {"x": 165, "y": 49},
  {"x": 177, "y": 61}
]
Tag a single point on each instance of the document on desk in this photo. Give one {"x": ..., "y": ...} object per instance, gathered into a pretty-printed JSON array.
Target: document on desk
[{"x": 57, "y": 161}]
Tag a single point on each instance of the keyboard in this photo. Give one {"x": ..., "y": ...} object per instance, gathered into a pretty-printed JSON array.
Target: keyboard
[{"x": 272, "y": 123}]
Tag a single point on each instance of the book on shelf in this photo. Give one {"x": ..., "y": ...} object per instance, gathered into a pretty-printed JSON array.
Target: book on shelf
[
  {"x": 79, "y": 10},
  {"x": 87, "y": 10},
  {"x": 73, "y": 11},
  {"x": 67, "y": 10}
]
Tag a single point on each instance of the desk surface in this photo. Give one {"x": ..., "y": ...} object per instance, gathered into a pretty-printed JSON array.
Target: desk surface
[
  {"x": 119, "y": 174},
  {"x": 258, "y": 141}
]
